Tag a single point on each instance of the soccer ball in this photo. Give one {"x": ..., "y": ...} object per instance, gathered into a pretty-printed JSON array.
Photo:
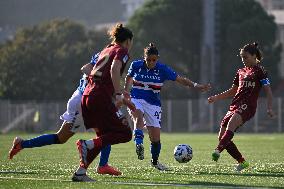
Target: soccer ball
[{"x": 183, "y": 153}]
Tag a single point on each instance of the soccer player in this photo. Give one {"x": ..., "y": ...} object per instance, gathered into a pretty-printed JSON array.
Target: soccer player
[
  {"x": 146, "y": 77},
  {"x": 245, "y": 90},
  {"x": 102, "y": 99},
  {"x": 68, "y": 128}
]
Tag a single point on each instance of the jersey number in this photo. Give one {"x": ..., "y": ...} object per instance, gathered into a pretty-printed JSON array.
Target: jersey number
[{"x": 95, "y": 71}]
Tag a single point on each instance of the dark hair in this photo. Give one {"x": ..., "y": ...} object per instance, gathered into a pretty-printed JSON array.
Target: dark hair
[
  {"x": 252, "y": 48},
  {"x": 119, "y": 33},
  {"x": 151, "y": 50}
]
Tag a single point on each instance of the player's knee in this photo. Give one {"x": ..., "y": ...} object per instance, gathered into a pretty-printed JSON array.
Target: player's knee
[
  {"x": 154, "y": 139},
  {"x": 139, "y": 124},
  {"x": 62, "y": 140},
  {"x": 63, "y": 137},
  {"x": 156, "y": 143}
]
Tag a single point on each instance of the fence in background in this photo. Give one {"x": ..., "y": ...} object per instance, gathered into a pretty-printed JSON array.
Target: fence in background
[{"x": 178, "y": 116}]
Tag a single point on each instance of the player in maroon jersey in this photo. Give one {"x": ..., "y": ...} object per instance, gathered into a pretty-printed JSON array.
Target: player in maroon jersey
[
  {"x": 245, "y": 90},
  {"x": 102, "y": 99}
]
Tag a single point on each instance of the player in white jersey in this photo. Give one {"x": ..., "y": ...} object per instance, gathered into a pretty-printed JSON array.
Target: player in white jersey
[
  {"x": 68, "y": 128},
  {"x": 145, "y": 78}
]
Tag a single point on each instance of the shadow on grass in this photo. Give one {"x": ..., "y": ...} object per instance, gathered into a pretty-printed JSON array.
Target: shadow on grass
[
  {"x": 189, "y": 184},
  {"x": 245, "y": 174},
  {"x": 260, "y": 174},
  {"x": 269, "y": 172},
  {"x": 125, "y": 180}
]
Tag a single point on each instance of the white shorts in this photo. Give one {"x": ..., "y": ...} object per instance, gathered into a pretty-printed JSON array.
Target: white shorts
[
  {"x": 73, "y": 109},
  {"x": 152, "y": 113}
]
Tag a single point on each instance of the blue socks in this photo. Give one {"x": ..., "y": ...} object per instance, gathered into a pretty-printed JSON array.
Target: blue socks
[
  {"x": 104, "y": 155},
  {"x": 155, "y": 151},
  {"x": 138, "y": 136},
  {"x": 49, "y": 139},
  {"x": 43, "y": 140}
]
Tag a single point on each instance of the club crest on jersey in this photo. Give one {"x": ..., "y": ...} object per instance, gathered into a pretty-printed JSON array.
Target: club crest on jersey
[
  {"x": 156, "y": 72},
  {"x": 125, "y": 58}
]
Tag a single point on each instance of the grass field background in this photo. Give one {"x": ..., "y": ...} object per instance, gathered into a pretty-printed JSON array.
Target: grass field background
[{"x": 53, "y": 166}]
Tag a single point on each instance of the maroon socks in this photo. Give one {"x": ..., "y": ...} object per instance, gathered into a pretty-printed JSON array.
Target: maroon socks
[{"x": 225, "y": 140}]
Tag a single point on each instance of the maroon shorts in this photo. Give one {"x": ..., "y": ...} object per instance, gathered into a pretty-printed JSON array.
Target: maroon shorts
[
  {"x": 99, "y": 112},
  {"x": 244, "y": 110}
]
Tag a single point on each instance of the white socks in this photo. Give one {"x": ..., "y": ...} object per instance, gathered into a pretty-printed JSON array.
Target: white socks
[
  {"x": 90, "y": 144},
  {"x": 81, "y": 171}
]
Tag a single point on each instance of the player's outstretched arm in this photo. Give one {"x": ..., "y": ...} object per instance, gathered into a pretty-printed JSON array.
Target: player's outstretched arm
[
  {"x": 226, "y": 94},
  {"x": 268, "y": 92},
  {"x": 186, "y": 82}
]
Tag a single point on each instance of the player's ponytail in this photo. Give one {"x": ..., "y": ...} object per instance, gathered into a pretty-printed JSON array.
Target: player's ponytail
[
  {"x": 258, "y": 53},
  {"x": 253, "y": 49},
  {"x": 151, "y": 49},
  {"x": 119, "y": 33}
]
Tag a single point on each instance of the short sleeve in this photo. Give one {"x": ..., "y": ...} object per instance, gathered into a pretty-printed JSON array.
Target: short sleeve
[
  {"x": 262, "y": 73},
  {"x": 122, "y": 55},
  {"x": 131, "y": 70},
  {"x": 262, "y": 76},
  {"x": 94, "y": 58},
  {"x": 170, "y": 74},
  {"x": 236, "y": 79}
]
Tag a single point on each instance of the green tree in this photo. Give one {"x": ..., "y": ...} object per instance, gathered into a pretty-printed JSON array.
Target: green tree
[
  {"x": 242, "y": 22},
  {"x": 176, "y": 28},
  {"x": 43, "y": 62}
]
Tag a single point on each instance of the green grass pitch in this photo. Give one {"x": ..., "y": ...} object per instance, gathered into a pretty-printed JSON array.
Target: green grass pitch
[{"x": 52, "y": 166}]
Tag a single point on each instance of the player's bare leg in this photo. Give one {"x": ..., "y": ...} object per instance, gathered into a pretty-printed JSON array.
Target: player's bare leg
[
  {"x": 60, "y": 137},
  {"x": 65, "y": 132}
]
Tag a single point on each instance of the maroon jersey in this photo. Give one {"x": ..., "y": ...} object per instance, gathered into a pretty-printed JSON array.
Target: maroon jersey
[
  {"x": 248, "y": 81},
  {"x": 103, "y": 82}
]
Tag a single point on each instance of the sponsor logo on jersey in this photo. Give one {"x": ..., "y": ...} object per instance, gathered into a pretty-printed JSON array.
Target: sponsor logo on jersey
[
  {"x": 248, "y": 84},
  {"x": 149, "y": 77}
]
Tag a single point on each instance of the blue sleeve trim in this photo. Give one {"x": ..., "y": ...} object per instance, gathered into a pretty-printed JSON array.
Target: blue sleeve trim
[
  {"x": 95, "y": 58},
  {"x": 265, "y": 81}
]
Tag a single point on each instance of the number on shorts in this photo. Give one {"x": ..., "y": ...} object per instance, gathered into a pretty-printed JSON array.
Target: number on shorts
[{"x": 158, "y": 115}]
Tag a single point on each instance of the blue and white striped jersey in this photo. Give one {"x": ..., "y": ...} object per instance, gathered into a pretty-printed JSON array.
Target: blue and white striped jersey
[
  {"x": 147, "y": 83},
  {"x": 83, "y": 80}
]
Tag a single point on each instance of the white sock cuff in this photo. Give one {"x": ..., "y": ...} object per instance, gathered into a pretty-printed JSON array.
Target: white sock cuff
[{"x": 90, "y": 144}]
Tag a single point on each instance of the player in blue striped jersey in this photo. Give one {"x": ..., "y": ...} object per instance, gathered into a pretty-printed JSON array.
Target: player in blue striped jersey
[
  {"x": 146, "y": 78},
  {"x": 68, "y": 128}
]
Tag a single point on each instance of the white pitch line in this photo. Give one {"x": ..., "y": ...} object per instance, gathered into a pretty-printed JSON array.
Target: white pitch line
[
  {"x": 140, "y": 183},
  {"x": 35, "y": 179}
]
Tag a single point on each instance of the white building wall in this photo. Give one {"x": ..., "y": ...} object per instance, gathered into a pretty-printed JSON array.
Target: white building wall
[{"x": 131, "y": 7}]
